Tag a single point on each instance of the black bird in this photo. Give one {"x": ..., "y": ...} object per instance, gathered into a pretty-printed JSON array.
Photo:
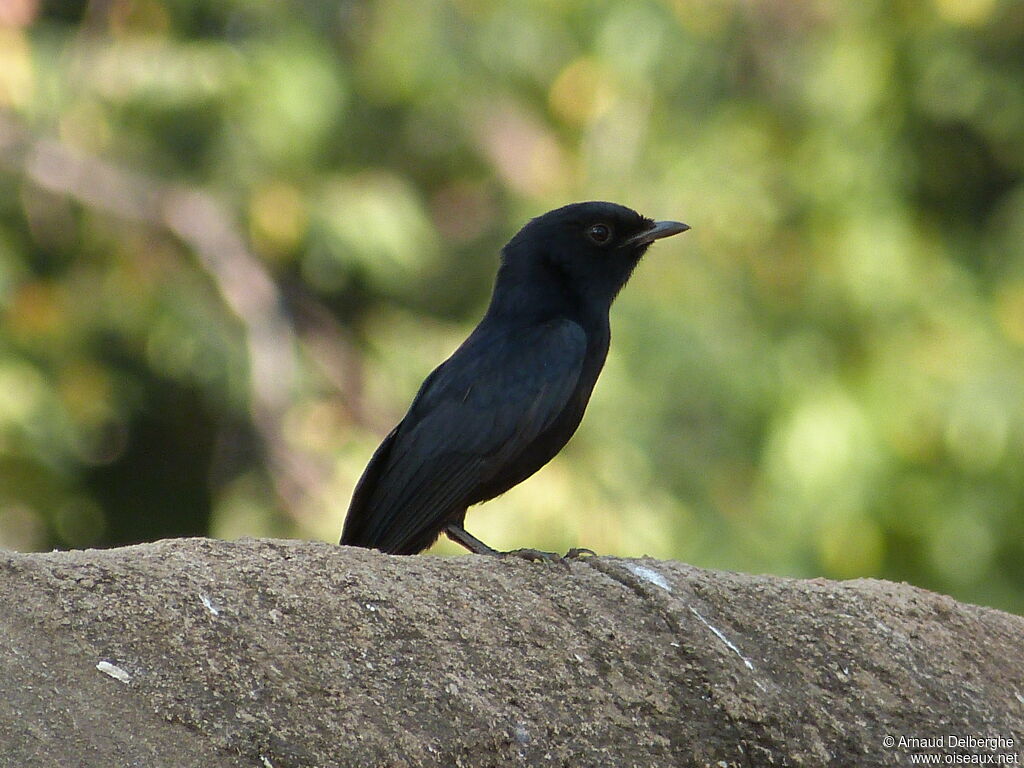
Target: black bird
[{"x": 513, "y": 394}]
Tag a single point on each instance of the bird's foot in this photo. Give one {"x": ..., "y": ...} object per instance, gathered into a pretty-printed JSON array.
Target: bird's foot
[
  {"x": 459, "y": 535},
  {"x": 539, "y": 556},
  {"x": 533, "y": 555}
]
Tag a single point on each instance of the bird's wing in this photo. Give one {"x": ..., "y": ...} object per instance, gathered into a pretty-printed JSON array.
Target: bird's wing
[{"x": 472, "y": 416}]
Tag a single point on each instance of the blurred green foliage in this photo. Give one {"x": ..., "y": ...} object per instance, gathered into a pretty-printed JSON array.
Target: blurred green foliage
[{"x": 826, "y": 377}]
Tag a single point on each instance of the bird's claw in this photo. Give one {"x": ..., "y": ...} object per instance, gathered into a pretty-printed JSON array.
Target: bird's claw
[{"x": 579, "y": 552}]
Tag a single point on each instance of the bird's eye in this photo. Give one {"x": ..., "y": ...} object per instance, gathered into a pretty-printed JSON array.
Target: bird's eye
[{"x": 600, "y": 233}]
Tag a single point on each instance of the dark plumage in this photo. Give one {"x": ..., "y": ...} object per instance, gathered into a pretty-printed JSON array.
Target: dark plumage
[{"x": 513, "y": 394}]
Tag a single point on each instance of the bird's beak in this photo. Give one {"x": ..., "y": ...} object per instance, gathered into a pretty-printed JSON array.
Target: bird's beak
[{"x": 657, "y": 231}]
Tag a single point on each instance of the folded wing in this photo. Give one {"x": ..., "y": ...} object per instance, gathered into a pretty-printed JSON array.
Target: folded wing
[{"x": 474, "y": 415}]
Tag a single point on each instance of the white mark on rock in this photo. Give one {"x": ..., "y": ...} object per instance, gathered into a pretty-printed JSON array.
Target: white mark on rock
[
  {"x": 266, "y": 762},
  {"x": 1019, "y": 698},
  {"x": 521, "y": 734},
  {"x": 721, "y": 636},
  {"x": 210, "y": 606},
  {"x": 649, "y": 574},
  {"x": 114, "y": 671}
]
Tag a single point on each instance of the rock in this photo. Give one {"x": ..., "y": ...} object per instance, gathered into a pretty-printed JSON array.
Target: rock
[{"x": 286, "y": 654}]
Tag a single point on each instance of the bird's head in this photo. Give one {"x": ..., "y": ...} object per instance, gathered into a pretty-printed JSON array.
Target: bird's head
[{"x": 588, "y": 250}]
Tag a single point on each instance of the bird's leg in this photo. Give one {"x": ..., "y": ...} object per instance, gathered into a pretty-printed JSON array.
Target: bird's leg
[{"x": 460, "y": 535}]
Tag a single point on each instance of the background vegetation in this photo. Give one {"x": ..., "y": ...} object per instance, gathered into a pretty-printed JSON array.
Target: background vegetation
[{"x": 235, "y": 236}]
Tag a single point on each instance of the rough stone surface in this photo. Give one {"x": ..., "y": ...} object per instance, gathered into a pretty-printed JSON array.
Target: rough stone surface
[{"x": 284, "y": 654}]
